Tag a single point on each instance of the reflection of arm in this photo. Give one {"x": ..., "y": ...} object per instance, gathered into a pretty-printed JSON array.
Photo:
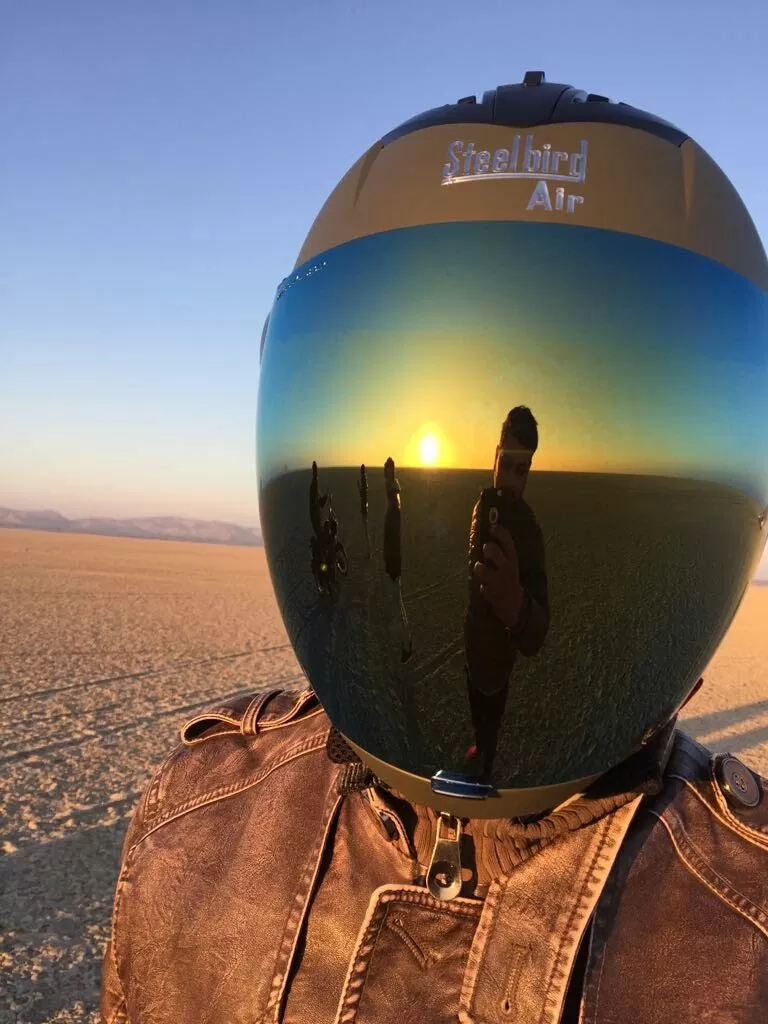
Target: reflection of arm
[{"x": 529, "y": 635}]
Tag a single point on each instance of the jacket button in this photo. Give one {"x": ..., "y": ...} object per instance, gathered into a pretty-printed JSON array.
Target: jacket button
[{"x": 737, "y": 782}]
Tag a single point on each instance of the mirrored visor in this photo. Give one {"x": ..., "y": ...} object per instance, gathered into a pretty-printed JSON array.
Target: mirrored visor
[{"x": 542, "y": 460}]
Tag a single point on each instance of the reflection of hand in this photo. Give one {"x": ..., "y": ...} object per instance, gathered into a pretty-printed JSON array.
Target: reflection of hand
[{"x": 500, "y": 586}]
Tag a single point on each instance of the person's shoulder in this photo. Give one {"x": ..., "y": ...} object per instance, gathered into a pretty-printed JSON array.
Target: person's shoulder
[
  {"x": 233, "y": 746},
  {"x": 487, "y": 497},
  {"x": 526, "y": 519},
  {"x": 687, "y": 899},
  {"x": 714, "y": 811},
  {"x": 726, "y": 784}
]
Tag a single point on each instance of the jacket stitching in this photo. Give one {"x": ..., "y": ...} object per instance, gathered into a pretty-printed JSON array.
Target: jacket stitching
[
  {"x": 152, "y": 798},
  {"x": 676, "y": 842},
  {"x": 378, "y": 905},
  {"x": 465, "y": 908},
  {"x": 299, "y": 906},
  {"x": 723, "y": 805},
  {"x": 555, "y": 973},
  {"x": 756, "y": 838},
  {"x": 299, "y": 702},
  {"x": 280, "y": 724},
  {"x": 360, "y": 965},
  {"x": 225, "y": 715},
  {"x": 677, "y": 826},
  {"x": 491, "y": 905},
  {"x": 596, "y": 955},
  {"x": 424, "y": 958},
  {"x": 114, "y": 938},
  {"x": 236, "y": 724},
  {"x": 252, "y": 711},
  {"x": 178, "y": 811},
  {"x": 591, "y": 879},
  {"x": 210, "y": 716},
  {"x": 211, "y": 736},
  {"x": 250, "y": 721}
]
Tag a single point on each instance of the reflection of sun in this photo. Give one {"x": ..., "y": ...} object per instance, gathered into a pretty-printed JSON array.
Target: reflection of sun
[
  {"x": 429, "y": 450},
  {"x": 428, "y": 447}
]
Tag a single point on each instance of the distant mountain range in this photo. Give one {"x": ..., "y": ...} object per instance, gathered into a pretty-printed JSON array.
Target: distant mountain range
[{"x": 150, "y": 527}]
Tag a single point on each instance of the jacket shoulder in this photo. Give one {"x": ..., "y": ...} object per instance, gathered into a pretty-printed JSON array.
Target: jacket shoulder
[
  {"x": 687, "y": 901},
  {"x": 229, "y": 747},
  {"x": 730, "y": 790},
  {"x": 712, "y": 818}
]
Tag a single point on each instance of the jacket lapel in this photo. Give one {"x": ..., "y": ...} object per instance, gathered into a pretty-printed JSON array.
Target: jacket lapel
[{"x": 533, "y": 922}]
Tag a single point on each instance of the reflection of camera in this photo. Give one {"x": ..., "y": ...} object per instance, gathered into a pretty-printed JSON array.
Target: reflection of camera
[
  {"x": 490, "y": 515},
  {"x": 493, "y": 518}
]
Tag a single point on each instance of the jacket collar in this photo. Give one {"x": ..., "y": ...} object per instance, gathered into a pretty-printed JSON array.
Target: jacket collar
[{"x": 494, "y": 847}]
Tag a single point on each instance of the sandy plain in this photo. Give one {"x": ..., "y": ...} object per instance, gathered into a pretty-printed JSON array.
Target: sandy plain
[{"x": 106, "y": 647}]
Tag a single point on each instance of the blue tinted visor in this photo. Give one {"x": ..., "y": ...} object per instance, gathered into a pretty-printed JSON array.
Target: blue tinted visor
[{"x": 597, "y": 397}]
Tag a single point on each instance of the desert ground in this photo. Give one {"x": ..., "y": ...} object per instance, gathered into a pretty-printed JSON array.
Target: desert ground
[{"x": 106, "y": 647}]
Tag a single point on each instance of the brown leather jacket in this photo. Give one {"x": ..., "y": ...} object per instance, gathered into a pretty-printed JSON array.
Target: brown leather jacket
[{"x": 253, "y": 890}]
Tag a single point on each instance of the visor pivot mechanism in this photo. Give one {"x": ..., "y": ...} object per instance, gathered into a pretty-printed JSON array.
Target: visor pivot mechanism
[{"x": 444, "y": 873}]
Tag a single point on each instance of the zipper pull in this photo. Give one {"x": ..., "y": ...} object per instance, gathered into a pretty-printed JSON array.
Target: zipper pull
[{"x": 444, "y": 873}]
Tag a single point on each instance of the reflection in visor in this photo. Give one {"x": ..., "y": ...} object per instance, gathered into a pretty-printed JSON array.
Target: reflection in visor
[{"x": 540, "y": 471}]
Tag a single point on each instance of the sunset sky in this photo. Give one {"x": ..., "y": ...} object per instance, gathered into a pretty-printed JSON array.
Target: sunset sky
[
  {"x": 163, "y": 162},
  {"x": 416, "y": 344}
]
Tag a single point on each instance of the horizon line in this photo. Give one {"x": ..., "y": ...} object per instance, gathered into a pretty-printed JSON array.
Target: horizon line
[{"x": 40, "y": 509}]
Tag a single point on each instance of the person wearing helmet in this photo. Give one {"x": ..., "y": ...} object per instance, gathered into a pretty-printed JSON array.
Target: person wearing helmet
[{"x": 592, "y": 260}]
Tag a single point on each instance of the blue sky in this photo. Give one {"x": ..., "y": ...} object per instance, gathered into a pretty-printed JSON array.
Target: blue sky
[{"x": 162, "y": 162}]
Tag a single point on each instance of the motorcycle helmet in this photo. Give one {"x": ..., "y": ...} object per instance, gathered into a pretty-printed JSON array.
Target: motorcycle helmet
[{"x": 539, "y": 320}]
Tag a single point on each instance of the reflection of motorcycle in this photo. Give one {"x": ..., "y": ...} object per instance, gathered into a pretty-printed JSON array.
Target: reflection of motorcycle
[{"x": 329, "y": 559}]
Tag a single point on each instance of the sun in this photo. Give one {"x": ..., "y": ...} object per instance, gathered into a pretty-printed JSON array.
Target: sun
[
  {"x": 428, "y": 447},
  {"x": 429, "y": 450}
]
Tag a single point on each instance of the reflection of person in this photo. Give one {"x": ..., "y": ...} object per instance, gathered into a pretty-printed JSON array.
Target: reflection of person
[
  {"x": 316, "y": 503},
  {"x": 318, "y": 541},
  {"x": 362, "y": 490},
  {"x": 508, "y": 604},
  {"x": 393, "y": 551}
]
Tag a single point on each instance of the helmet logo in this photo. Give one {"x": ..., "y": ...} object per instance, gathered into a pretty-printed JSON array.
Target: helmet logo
[{"x": 542, "y": 165}]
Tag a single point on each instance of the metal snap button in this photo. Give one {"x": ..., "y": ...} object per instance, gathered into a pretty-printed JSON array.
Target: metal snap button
[{"x": 737, "y": 782}]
